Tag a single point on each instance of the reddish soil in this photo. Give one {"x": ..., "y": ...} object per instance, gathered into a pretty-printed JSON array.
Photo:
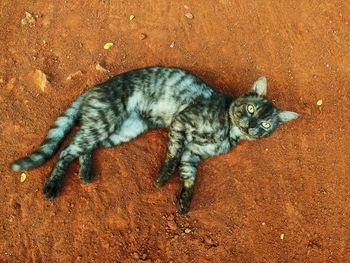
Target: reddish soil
[{"x": 295, "y": 183}]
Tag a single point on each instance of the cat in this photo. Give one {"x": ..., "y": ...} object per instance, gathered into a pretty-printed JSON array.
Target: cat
[{"x": 201, "y": 122}]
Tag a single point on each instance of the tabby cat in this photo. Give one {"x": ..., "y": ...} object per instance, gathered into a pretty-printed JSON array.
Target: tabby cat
[{"x": 201, "y": 122}]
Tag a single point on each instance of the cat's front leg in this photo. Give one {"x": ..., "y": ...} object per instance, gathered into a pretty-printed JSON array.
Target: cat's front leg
[
  {"x": 188, "y": 173},
  {"x": 176, "y": 139},
  {"x": 85, "y": 170}
]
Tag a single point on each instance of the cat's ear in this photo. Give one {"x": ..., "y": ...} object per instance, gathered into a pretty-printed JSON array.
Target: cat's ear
[
  {"x": 285, "y": 116},
  {"x": 260, "y": 86}
]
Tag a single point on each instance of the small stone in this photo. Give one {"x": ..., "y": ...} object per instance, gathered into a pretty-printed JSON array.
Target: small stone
[
  {"x": 263, "y": 223},
  {"x": 208, "y": 240},
  {"x": 282, "y": 236},
  {"x": 40, "y": 79},
  {"x": 187, "y": 230},
  {"x": 144, "y": 256},
  {"x": 172, "y": 225},
  {"x": 186, "y": 7},
  {"x": 99, "y": 67},
  {"x": 170, "y": 217},
  {"x": 131, "y": 17},
  {"x": 29, "y": 19},
  {"x": 136, "y": 255},
  {"x": 189, "y": 15},
  {"x": 172, "y": 45},
  {"x": 142, "y": 36},
  {"x": 74, "y": 75}
]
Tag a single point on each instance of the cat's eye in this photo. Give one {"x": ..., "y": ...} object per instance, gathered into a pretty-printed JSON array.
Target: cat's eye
[
  {"x": 265, "y": 124},
  {"x": 250, "y": 108}
]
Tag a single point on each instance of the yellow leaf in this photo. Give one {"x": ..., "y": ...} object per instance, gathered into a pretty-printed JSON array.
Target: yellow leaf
[
  {"x": 108, "y": 45},
  {"x": 23, "y": 177}
]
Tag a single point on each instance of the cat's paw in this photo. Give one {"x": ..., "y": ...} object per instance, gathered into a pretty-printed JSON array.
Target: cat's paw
[
  {"x": 161, "y": 180},
  {"x": 86, "y": 176},
  {"x": 185, "y": 199},
  {"x": 52, "y": 188}
]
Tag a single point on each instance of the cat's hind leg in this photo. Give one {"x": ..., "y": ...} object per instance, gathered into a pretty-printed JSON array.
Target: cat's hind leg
[{"x": 83, "y": 142}]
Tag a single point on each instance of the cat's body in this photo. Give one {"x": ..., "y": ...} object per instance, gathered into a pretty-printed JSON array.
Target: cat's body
[{"x": 201, "y": 122}]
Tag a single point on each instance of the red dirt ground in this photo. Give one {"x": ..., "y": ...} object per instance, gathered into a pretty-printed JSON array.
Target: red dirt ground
[{"x": 294, "y": 183}]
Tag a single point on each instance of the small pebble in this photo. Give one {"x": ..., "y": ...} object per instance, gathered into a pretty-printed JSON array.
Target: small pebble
[
  {"x": 172, "y": 45},
  {"x": 172, "y": 225},
  {"x": 99, "y": 67},
  {"x": 40, "y": 79},
  {"x": 208, "y": 240},
  {"x": 189, "y": 15},
  {"x": 142, "y": 36},
  {"x": 131, "y": 17},
  {"x": 187, "y": 230}
]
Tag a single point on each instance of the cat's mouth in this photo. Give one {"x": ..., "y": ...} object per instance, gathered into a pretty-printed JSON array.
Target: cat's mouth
[{"x": 247, "y": 134}]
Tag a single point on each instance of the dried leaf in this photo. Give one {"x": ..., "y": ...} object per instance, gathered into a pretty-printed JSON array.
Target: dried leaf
[
  {"x": 108, "y": 45},
  {"x": 23, "y": 177}
]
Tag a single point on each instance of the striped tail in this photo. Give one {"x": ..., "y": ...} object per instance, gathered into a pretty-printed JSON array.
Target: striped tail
[{"x": 55, "y": 136}]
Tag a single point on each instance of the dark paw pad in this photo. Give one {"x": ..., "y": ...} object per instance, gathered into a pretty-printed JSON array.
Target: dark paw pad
[{"x": 52, "y": 188}]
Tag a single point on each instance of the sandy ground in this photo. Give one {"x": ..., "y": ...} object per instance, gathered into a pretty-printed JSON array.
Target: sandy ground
[{"x": 281, "y": 199}]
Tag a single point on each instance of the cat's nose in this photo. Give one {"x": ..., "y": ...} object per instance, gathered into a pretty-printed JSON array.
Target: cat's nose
[{"x": 252, "y": 123}]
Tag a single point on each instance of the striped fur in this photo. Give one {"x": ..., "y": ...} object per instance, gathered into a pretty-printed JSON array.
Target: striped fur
[
  {"x": 55, "y": 136},
  {"x": 202, "y": 123}
]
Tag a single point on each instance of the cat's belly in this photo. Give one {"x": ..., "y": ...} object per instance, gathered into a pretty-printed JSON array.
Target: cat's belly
[
  {"x": 206, "y": 150},
  {"x": 159, "y": 111}
]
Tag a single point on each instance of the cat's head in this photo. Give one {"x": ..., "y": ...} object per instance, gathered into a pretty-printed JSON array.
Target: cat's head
[{"x": 255, "y": 115}]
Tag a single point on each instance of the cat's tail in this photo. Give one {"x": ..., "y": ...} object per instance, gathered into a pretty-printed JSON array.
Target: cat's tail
[{"x": 55, "y": 136}]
